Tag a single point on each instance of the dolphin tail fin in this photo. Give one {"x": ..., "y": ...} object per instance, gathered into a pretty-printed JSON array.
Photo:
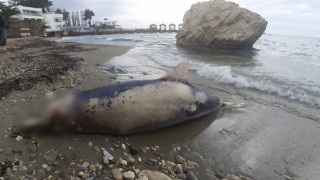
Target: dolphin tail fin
[{"x": 178, "y": 73}]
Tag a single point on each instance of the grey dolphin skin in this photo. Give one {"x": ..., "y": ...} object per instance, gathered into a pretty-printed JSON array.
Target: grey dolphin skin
[{"x": 130, "y": 107}]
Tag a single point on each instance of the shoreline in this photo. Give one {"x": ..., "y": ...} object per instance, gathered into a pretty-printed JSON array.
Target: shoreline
[
  {"x": 258, "y": 139},
  {"x": 76, "y": 156}
]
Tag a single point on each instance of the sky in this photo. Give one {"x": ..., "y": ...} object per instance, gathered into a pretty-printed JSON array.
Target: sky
[{"x": 288, "y": 17}]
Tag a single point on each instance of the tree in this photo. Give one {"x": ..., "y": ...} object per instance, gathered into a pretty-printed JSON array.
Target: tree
[
  {"x": 88, "y": 14},
  {"x": 44, "y": 4},
  {"x": 66, "y": 15},
  {"x": 8, "y": 11},
  {"x": 58, "y": 11}
]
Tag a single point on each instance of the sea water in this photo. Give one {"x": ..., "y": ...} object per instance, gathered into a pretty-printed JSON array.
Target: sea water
[{"x": 284, "y": 66}]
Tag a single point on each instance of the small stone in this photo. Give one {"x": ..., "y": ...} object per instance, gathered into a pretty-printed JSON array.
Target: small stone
[
  {"x": 123, "y": 146},
  {"x": 143, "y": 178},
  {"x": 44, "y": 166},
  {"x": 143, "y": 150},
  {"x": 129, "y": 175},
  {"x": 92, "y": 168},
  {"x": 178, "y": 169},
  {"x": 90, "y": 144},
  {"x": 139, "y": 159},
  {"x": 152, "y": 162},
  {"x": 19, "y": 138},
  {"x": 154, "y": 175},
  {"x": 130, "y": 159},
  {"x": 23, "y": 168},
  {"x": 170, "y": 165},
  {"x": 105, "y": 160},
  {"x": 145, "y": 73},
  {"x": 80, "y": 174},
  {"x": 110, "y": 166},
  {"x": 14, "y": 168},
  {"x": 190, "y": 166},
  {"x": 85, "y": 166},
  {"x": 178, "y": 148},
  {"x": 51, "y": 158},
  {"x": 122, "y": 162},
  {"x": 180, "y": 159},
  {"x": 33, "y": 148},
  {"x": 163, "y": 163},
  {"x": 136, "y": 171},
  {"x": 116, "y": 174},
  {"x": 96, "y": 148}
]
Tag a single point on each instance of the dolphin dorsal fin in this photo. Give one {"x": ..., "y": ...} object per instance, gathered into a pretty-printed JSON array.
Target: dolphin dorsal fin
[{"x": 178, "y": 73}]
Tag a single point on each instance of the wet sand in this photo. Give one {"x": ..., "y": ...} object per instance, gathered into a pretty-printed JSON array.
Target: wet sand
[{"x": 262, "y": 138}]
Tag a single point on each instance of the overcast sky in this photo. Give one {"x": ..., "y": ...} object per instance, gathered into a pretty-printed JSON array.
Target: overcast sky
[{"x": 292, "y": 17}]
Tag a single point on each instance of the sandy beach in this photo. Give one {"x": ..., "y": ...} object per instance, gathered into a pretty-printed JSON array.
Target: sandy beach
[{"x": 254, "y": 136}]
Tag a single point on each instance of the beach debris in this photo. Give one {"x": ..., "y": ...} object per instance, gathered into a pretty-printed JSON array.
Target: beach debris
[
  {"x": 117, "y": 70},
  {"x": 106, "y": 154}
]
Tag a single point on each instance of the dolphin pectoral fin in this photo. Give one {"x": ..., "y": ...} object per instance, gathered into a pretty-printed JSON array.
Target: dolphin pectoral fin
[{"x": 178, "y": 73}]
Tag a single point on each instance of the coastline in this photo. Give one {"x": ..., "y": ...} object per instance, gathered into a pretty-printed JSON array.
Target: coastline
[{"x": 253, "y": 138}]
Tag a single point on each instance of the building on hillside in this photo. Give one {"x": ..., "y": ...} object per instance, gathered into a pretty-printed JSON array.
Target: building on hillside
[
  {"x": 76, "y": 18},
  {"x": 28, "y": 13},
  {"x": 54, "y": 22}
]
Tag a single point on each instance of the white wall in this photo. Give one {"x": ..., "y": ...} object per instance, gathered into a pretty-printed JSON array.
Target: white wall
[
  {"x": 29, "y": 13},
  {"x": 54, "y": 22}
]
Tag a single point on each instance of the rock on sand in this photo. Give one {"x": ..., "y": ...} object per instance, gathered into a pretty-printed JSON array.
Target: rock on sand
[{"x": 220, "y": 24}]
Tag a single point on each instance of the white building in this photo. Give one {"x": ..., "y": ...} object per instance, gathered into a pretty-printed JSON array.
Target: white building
[
  {"x": 76, "y": 18},
  {"x": 54, "y": 22},
  {"x": 27, "y": 13},
  {"x": 107, "y": 24}
]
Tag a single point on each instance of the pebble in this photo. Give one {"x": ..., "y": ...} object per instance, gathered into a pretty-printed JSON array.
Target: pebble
[
  {"x": 116, "y": 174},
  {"x": 152, "y": 162},
  {"x": 14, "y": 168},
  {"x": 170, "y": 164},
  {"x": 136, "y": 171},
  {"x": 90, "y": 144},
  {"x": 180, "y": 159},
  {"x": 178, "y": 169},
  {"x": 92, "y": 168},
  {"x": 105, "y": 160},
  {"x": 80, "y": 174},
  {"x": 129, "y": 175},
  {"x": 130, "y": 159},
  {"x": 33, "y": 149},
  {"x": 19, "y": 138},
  {"x": 145, "y": 73},
  {"x": 96, "y": 148},
  {"x": 139, "y": 159},
  {"x": 123, "y": 146},
  {"x": 123, "y": 162},
  {"x": 143, "y": 150},
  {"x": 44, "y": 166},
  {"x": 143, "y": 178},
  {"x": 190, "y": 166}
]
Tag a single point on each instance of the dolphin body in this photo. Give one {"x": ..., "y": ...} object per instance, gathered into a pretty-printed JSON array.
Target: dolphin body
[{"x": 130, "y": 107}]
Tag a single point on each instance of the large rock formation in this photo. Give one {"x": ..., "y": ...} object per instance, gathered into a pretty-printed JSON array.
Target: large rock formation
[{"x": 220, "y": 24}]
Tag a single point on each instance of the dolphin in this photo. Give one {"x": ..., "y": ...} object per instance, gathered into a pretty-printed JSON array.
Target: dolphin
[{"x": 129, "y": 107}]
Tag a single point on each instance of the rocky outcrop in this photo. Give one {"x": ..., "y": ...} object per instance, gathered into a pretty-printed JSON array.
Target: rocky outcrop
[{"x": 220, "y": 24}]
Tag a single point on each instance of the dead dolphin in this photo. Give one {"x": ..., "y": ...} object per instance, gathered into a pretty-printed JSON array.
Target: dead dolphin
[{"x": 130, "y": 107}]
